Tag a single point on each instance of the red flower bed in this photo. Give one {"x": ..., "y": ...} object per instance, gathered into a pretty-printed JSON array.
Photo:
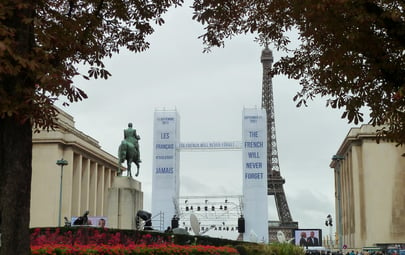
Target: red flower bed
[
  {"x": 95, "y": 241},
  {"x": 161, "y": 249},
  {"x": 95, "y": 236}
]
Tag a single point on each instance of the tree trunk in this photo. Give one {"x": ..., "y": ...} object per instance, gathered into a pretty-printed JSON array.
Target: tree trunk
[
  {"x": 15, "y": 133},
  {"x": 15, "y": 186}
]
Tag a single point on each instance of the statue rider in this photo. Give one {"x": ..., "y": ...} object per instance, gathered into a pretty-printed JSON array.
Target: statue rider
[{"x": 131, "y": 136}]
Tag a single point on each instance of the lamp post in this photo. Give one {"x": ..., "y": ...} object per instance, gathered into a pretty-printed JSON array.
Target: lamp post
[
  {"x": 328, "y": 222},
  {"x": 339, "y": 158},
  {"x": 61, "y": 162}
]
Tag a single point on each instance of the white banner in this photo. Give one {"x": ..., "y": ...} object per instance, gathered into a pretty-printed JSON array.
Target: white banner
[
  {"x": 227, "y": 145},
  {"x": 165, "y": 180},
  {"x": 254, "y": 147}
]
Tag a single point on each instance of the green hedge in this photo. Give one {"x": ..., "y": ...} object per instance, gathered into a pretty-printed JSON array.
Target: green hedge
[{"x": 269, "y": 249}]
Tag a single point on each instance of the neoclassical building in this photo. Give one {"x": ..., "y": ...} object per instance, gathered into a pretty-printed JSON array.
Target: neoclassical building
[
  {"x": 370, "y": 190},
  {"x": 86, "y": 180}
]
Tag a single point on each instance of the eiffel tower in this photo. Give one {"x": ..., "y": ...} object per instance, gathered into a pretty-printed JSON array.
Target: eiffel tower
[{"x": 274, "y": 180}]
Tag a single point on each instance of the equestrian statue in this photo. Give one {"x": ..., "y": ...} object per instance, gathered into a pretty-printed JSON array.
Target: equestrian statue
[{"x": 129, "y": 150}]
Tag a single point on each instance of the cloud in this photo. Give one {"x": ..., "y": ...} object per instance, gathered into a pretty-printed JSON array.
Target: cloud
[{"x": 210, "y": 91}]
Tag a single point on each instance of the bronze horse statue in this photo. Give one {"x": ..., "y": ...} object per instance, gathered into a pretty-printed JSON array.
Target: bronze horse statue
[{"x": 127, "y": 151}]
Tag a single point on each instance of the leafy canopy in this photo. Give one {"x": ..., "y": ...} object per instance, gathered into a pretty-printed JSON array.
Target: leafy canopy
[
  {"x": 350, "y": 51},
  {"x": 65, "y": 33}
]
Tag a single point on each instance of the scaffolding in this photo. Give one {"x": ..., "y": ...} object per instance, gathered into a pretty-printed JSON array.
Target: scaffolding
[{"x": 214, "y": 213}]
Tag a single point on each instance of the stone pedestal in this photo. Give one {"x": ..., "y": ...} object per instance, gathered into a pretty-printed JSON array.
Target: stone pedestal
[{"x": 125, "y": 198}]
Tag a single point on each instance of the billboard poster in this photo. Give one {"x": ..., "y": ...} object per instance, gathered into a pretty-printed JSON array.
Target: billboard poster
[
  {"x": 254, "y": 149},
  {"x": 93, "y": 221},
  {"x": 165, "y": 177},
  {"x": 308, "y": 237}
]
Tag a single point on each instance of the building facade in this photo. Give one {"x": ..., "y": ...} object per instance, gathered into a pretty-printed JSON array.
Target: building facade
[
  {"x": 370, "y": 190},
  {"x": 86, "y": 178}
]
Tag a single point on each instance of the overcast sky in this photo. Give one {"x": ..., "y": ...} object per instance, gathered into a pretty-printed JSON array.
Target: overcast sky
[{"x": 209, "y": 92}]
